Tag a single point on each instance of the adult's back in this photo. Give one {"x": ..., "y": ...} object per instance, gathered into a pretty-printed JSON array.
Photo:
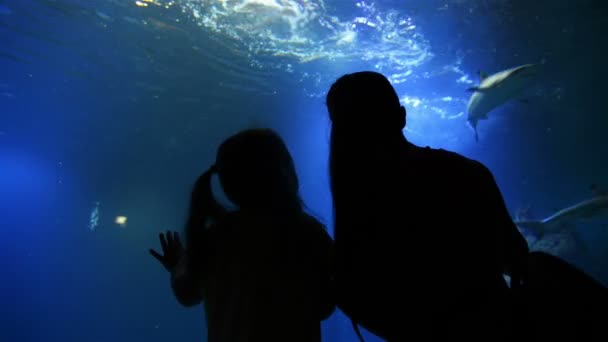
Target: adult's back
[{"x": 422, "y": 235}]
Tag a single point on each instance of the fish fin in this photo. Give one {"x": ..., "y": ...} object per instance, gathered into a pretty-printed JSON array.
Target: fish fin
[
  {"x": 482, "y": 75},
  {"x": 473, "y": 125},
  {"x": 522, "y": 68},
  {"x": 478, "y": 89}
]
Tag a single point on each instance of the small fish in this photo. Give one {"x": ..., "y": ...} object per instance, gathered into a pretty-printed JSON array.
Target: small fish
[{"x": 94, "y": 217}]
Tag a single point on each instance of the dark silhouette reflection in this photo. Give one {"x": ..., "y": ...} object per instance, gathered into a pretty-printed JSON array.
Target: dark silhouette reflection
[
  {"x": 422, "y": 235},
  {"x": 262, "y": 271}
]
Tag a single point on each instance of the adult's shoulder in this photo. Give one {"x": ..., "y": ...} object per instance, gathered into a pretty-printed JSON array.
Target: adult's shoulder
[
  {"x": 312, "y": 222},
  {"x": 458, "y": 161},
  {"x": 313, "y": 226}
]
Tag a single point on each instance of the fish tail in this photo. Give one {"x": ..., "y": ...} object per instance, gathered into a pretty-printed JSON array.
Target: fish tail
[{"x": 473, "y": 126}]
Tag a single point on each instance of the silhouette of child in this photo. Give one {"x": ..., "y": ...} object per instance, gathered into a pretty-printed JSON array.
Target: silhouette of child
[{"x": 263, "y": 270}]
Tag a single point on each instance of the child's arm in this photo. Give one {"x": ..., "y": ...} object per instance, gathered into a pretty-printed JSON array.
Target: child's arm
[
  {"x": 185, "y": 275},
  {"x": 186, "y": 283},
  {"x": 204, "y": 209}
]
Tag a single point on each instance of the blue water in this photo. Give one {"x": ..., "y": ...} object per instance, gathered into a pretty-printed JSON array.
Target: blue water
[{"x": 109, "y": 108}]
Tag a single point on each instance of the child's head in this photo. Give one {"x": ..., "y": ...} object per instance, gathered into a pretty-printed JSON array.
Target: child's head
[{"x": 256, "y": 170}]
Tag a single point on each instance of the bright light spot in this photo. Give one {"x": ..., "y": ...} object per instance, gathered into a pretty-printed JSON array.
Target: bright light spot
[
  {"x": 451, "y": 117},
  {"x": 413, "y": 101},
  {"x": 347, "y": 37},
  {"x": 440, "y": 111},
  {"x": 464, "y": 79},
  {"x": 196, "y": 14},
  {"x": 121, "y": 220},
  {"x": 141, "y": 4}
]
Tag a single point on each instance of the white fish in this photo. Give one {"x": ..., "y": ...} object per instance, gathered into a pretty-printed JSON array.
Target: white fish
[
  {"x": 563, "y": 220},
  {"x": 496, "y": 89}
]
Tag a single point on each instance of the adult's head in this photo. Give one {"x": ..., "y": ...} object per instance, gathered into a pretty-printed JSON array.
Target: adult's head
[
  {"x": 367, "y": 122},
  {"x": 257, "y": 171},
  {"x": 365, "y": 103}
]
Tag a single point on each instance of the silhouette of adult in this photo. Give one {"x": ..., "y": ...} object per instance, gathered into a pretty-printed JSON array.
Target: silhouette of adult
[
  {"x": 422, "y": 236},
  {"x": 263, "y": 270}
]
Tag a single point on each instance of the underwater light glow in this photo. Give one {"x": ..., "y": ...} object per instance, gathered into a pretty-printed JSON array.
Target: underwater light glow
[
  {"x": 28, "y": 185},
  {"x": 291, "y": 35},
  {"x": 312, "y": 41},
  {"x": 5, "y": 10},
  {"x": 305, "y": 31},
  {"x": 22, "y": 174}
]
